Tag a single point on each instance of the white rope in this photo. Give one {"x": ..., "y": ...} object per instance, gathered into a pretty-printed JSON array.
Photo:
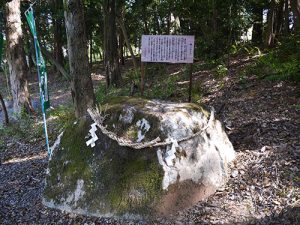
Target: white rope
[{"x": 96, "y": 116}]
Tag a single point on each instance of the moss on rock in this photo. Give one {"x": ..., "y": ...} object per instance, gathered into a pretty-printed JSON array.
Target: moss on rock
[
  {"x": 70, "y": 162},
  {"x": 112, "y": 180},
  {"x": 116, "y": 179},
  {"x": 120, "y": 106}
]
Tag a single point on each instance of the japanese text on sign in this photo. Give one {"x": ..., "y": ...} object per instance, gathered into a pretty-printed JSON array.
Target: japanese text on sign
[{"x": 168, "y": 48}]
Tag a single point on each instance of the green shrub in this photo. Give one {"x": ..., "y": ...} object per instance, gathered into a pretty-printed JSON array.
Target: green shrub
[
  {"x": 156, "y": 71},
  {"x": 282, "y": 63},
  {"x": 210, "y": 64},
  {"x": 271, "y": 67},
  {"x": 163, "y": 89},
  {"x": 102, "y": 94},
  {"x": 221, "y": 71},
  {"x": 245, "y": 49},
  {"x": 132, "y": 76},
  {"x": 197, "y": 91},
  {"x": 296, "y": 106},
  {"x": 26, "y": 129},
  {"x": 61, "y": 116}
]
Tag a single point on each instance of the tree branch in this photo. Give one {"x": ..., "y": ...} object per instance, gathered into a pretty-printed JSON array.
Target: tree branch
[{"x": 58, "y": 66}]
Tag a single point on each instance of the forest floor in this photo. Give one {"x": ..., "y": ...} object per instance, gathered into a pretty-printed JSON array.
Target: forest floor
[{"x": 262, "y": 119}]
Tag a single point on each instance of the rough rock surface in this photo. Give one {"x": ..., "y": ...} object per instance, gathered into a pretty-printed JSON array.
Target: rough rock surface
[{"x": 113, "y": 180}]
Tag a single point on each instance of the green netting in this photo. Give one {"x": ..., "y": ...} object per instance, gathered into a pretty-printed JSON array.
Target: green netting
[{"x": 42, "y": 73}]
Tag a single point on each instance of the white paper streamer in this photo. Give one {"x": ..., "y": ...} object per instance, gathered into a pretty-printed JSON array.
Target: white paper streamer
[
  {"x": 170, "y": 155},
  {"x": 93, "y": 134}
]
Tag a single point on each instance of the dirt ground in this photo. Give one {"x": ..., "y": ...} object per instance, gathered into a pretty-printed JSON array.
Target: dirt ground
[{"x": 262, "y": 119}]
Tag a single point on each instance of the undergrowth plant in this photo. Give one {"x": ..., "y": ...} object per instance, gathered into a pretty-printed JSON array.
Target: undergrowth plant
[
  {"x": 244, "y": 49},
  {"x": 158, "y": 84},
  {"x": 164, "y": 88},
  {"x": 103, "y": 94},
  {"x": 27, "y": 128},
  {"x": 220, "y": 71},
  {"x": 282, "y": 63},
  {"x": 61, "y": 116}
]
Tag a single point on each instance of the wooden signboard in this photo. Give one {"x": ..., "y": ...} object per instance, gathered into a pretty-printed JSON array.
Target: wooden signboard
[{"x": 167, "y": 49}]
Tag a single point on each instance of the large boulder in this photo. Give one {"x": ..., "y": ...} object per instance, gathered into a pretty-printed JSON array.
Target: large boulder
[{"x": 138, "y": 158}]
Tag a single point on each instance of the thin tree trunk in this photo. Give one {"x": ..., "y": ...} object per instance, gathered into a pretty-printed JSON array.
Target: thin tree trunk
[
  {"x": 18, "y": 68},
  {"x": 4, "y": 109},
  {"x": 279, "y": 18},
  {"x": 121, "y": 23},
  {"x": 30, "y": 47},
  {"x": 215, "y": 26},
  {"x": 286, "y": 17},
  {"x": 91, "y": 50},
  {"x": 57, "y": 65},
  {"x": 214, "y": 17},
  {"x": 146, "y": 29},
  {"x": 270, "y": 34},
  {"x": 121, "y": 49},
  {"x": 81, "y": 85},
  {"x": 111, "y": 59},
  {"x": 58, "y": 51},
  {"x": 257, "y": 33},
  {"x": 58, "y": 29},
  {"x": 229, "y": 41},
  {"x": 156, "y": 20},
  {"x": 30, "y": 61},
  {"x": 100, "y": 54},
  {"x": 169, "y": 20},
  {"x": 144, "y": 18}
]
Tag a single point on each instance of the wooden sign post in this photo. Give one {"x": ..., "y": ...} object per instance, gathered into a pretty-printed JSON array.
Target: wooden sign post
[
  {"x": 191, "y": 82},
  {"x": 142, "y": 78},
  {"x": 167, "y": 49}
]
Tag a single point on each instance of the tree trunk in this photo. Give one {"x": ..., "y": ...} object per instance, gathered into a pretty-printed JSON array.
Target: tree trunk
[
  {"x": 30, "y": 52},
  {"x": 295, "y": 5},
  {"x": 100, "y": 54},
  {"x": 278, "y": 18},
  {"x": 286, "y": 17},
  {"x": 121, "y": 49},
  {"x": 57, "y": 65},
  {"x": 30, "y": 48},
  {"x": 214, "y": 17},
  {"x": 156, "y": 21},
  {"x": 58, "y": 28},
  {"x": 111, "y": 59},
  {"x": 257, "y": 33},
  {"x": 91, "y": 50},
  {"x": 169, "y": 20},
  {"x": 270, "y": 32},
  {"x": 121, "y": 23},
  {"x": 4, "y": 110},
  {"x": 144, "y": 17},
  {"x": 18, "y": 68},
  {"x": 146, "y": 29},
  {"x": 81, "y": 85}
]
